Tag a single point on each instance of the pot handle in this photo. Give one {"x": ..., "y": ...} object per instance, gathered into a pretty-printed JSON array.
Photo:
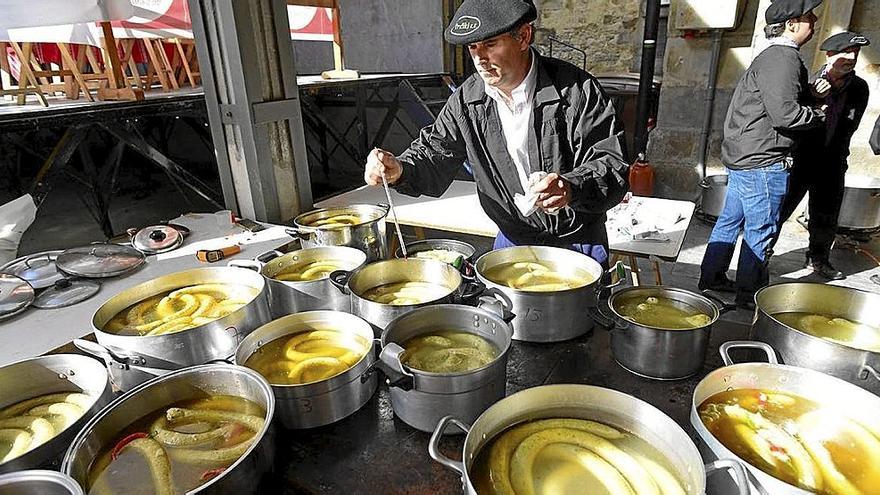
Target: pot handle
[
  {"x": 434, "y": 444},
  {"x": 618, "y": 269},
  {"x": 746, "y": 344},
  {"x": 389, "y": 363},
  {"x": 471, "y": 289},
  {"x": 867, "y": 371},
  {"x": 99, "y": 351},
  {"x": 246, "y": 264},
  {"x": 491, "y": 302},
  {"x": 339, "y": 279},
  {"x": 723, "y": 307},
  {"x": 269, "y": 256},
  {"x": 736, "y": 470},
  {"x": 299, "y": 232},
  {"x": 608, "y": 322}
]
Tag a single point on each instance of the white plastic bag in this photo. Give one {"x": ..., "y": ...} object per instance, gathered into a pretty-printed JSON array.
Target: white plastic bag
[{"x": 15, "y": 218}]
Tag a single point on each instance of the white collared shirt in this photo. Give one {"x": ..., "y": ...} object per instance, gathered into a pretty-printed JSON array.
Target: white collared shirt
[{"x": 516, "y": 120}]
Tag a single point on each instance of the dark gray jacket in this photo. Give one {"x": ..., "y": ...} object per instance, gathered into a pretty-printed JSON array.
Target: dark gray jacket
[
  {"x": 768, "y": 110},
  {"x": 875, "y": 138},
  {"x": 579, "y": 137}
]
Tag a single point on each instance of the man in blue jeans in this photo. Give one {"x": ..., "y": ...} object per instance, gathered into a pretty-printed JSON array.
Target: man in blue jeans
[{"x": 770, "y": 106}]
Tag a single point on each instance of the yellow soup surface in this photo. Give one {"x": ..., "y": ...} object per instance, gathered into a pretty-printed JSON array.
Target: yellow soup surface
[
  {"x": 180, "y": 309},
  {"x": 836, "y": 329},
  {"x": 406, "y": 293},
  {"x": 796, "y": 440},
  {"x": 176, "y": 449},
  {"x": 338, "y": 221},
  {"x": 310, "y": 356},
  {"x": 28, "y": 424},
  {"x": 313, "y": 270},
  {"x": 538, "y": 276},
  {"x": 448, "y": 351},
  {"x": 562, "y": 456},
  {"x": 662, "y": 312}
]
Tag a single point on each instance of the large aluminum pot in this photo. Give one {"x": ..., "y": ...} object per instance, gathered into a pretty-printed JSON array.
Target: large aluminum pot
[
  {"x": 661, "y": 353},
  {"x": 195, "y": 382},
  {"x": 357, "y": 283},
  {"x": 797, "y": 348},
  {"x": 52, "y": 374},
  {"x": 288, "y": 297},
  {"x": 421, "y": 398},
  {"x": 132, "y": 358},
  {"x": 368, "y": 236},
  {"x": 830, "y": 392},
  {"x": 328, "y": 401},
  {"x": 714, "y": 191},
  {"x": 584, "y": 402},
  {"x": 545, "y": 316},
  {"x": 466, "y": 250},
  {"x": 38, "y": 482},
  {"x": 860, "y": 208}
]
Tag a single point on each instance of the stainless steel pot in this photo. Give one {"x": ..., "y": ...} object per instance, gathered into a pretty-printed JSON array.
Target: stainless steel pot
[
  {"x": 368, "y": 236},
  {"x": 826, "y": 390},
  {"x": 798, "y": 348},
  {"x": 38, "y": 482},
  {"x": 661, "y": 353},
  {"x": 51, "y": 374},
  {"x": 421, "y": 398},
  {"x": 545, "y": 316},
  {"x": 287, "y": 297},
  {"x": 466, "y": 250},
  {"x": 584, "y": 402},
  {"x": 213, "y": 341},
  {"x": 712, "y": 197},
  {"x": 195, "y": 382},
  {"x": 860, "y": 208},
  {"x": 357, "y": 283},
  {"x": 328, "y": 401}
]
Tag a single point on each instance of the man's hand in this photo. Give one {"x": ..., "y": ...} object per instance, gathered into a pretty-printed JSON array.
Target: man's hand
[
  {"x": 379, "y": 161},
  {"x": 820, "y": 88},
  {"x": 554, "y": 193}
]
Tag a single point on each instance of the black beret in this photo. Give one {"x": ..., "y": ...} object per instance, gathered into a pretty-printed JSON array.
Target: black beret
[
  {"x": 783, "y": 10},
  {"x": 478, "y": 20},
  {"x": 841, "y": 41}
]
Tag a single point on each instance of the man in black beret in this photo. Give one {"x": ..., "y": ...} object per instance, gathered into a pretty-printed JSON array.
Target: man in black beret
[
  {"x": 768, "y": 114},
  {"x": 542, "y": 138},
  {"x": 820, "y": 161}
]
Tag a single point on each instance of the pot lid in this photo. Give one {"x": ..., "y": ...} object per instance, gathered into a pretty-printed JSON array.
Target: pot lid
[
  {"x": 15, "y": 295},
  {"x": 37, "y": 269},
  {"x": 100, "y": 260},
  {"x": 65, "y": 293},
  {"x": 157, "y": 239}
]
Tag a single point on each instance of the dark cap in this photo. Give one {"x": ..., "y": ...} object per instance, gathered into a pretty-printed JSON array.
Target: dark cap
[
  {"x": 478, "y": 20},
  {"x": 841, "y": 41},
  {"x": 783, "y": 10}
]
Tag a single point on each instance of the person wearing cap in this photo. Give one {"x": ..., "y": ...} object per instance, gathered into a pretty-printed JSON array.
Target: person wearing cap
[
  {"x": 821, "y": 160},
  {"x": 543, "y": 139},
  {"x": 769, "y": 112}
]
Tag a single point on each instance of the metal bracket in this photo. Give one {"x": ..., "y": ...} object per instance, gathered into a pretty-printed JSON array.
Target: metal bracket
[{"x": 275, "y": 111}]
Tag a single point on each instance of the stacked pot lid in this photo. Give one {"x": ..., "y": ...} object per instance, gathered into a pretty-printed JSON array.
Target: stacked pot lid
[
  {"x": 15, "y": 295},
  {"x": 100, "y": 260}
]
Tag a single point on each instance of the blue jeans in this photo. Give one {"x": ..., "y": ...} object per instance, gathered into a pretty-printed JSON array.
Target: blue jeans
[
  {"x": 752, "y": 206},
  {"x": 598, "y": 252}
]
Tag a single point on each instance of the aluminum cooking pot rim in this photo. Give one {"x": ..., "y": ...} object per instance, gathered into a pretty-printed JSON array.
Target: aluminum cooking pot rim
[
  {"x": 342, "y": 279},
  {"x": 427, "y": 242},
  {"x": 713, "y": 304},
  {"x": 308, "y": 228},
  {"x": 66, "y": 463},
  {"x": 45, "y": 475},
  {"x": 260, "y": 263},
  {"x": 501, "y": 353},
  {"x": 487, "y": 281}
]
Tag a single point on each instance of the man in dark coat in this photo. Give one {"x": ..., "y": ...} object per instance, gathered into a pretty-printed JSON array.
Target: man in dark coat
[
  {"x": 875, "y": 138},
  {"x": 530, "y": 126},
  {"x": 769, "y": 111},
  {"x": 821, "y": 159}
]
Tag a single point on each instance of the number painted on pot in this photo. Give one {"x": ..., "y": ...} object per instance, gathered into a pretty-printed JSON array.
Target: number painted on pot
[
  {"x": 305, "y": 404},
  {"x": 533, "y": 314}
]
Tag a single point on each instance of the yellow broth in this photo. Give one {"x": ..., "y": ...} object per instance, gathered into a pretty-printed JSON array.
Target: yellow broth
[
  {"x": 540, "y": 276},
  {"x": 313, "y": 270},
  {"x": 448, "y": 352},
  {"x": 338, "y": 221},
  {"x": 662, "y": 312},
  {"x": 836, "y": 329},
  {"x": 560, "y": 456},
  {"x": 405, "y": 293},
  {"x": 796, "y": 440},
  {"x": 444, "y": 255},
  {"x": 180, "y": 309},
  {"x": 317, "y": 354},
  {"x": 182, "y": 447},
  {"x": 28, "y": 424}
]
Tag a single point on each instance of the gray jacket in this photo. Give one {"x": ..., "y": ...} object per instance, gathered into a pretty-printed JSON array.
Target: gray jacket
[
  {"x": 579, "y": 137},
  {"x": 768, "y": 110}
]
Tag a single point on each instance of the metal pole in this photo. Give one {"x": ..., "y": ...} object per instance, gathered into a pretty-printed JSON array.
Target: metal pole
[
  {"x": 646, "y": 75},
  {"x": 710, "y": 102}
]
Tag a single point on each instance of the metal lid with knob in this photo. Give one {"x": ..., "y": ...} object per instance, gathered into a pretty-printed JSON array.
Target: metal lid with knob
[
  {"x": 38, "y": 269},
  {"x": 15, "y": 295},
  {"x": 66, "y": 292},
  {"x": 157, "y": 239},
  {"x": 99, "y": 260}
]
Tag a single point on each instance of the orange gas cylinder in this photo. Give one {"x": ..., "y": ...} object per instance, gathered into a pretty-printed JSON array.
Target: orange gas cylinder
[{"x": 641, "y": 179}]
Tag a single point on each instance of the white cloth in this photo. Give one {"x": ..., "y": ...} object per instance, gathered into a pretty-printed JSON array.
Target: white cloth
[
  {"x": 515, "y": 120},
  {"x": 15, "y": 218}
]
